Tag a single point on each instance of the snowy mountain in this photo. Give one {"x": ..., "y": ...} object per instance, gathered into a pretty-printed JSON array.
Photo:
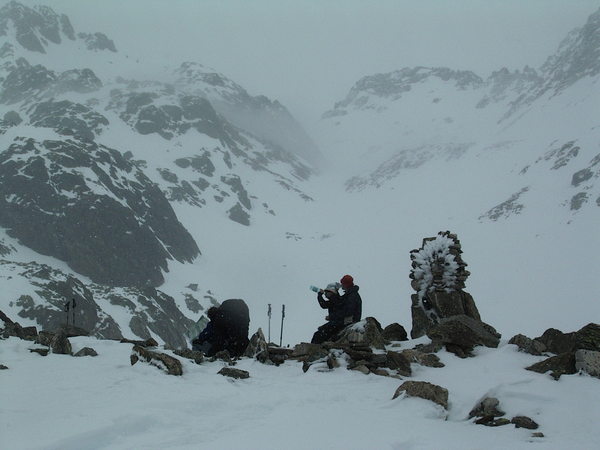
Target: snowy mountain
[
  {"x": 93, "y": 163},
  {"x": 405, "y": 119}
]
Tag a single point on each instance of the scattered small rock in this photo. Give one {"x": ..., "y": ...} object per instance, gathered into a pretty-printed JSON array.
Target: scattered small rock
[
  {"x": 427, "y": 391},
  {"x": 164, "y": 362},
  {"x": 40, "y": 351},
  {"x": 86, "y": 351},
  {"x": 234, "y": 373},
  {"x": 537, "y": 434},
  {"x": 488, "y": 407},
  {"x": 524, "y": 422},
  {"x": 362, "y": 369},
  {"x": 490, "y": 421},
  {"x": 528, "y": 345},
  {"x": 147, "y": 343}
]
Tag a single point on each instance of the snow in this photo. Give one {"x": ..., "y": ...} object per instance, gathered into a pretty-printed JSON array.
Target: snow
[{"x": 104, "y": 402}]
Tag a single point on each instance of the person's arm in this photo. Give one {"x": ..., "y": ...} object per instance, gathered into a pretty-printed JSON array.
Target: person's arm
[{"x": 322, "y": 302}]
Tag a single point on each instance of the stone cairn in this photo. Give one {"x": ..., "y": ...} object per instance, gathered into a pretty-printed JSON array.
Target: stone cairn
[{"x": 438, "y": 276}]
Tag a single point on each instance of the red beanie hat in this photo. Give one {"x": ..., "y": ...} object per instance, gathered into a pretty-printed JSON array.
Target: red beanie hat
[{"x": 347, "y": 280}]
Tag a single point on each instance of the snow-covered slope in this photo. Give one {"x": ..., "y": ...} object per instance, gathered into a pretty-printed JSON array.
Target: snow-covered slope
[{"x": 94, "y": 161}]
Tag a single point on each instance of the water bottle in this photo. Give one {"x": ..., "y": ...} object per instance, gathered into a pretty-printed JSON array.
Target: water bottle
[{"x": 314, "y": 289}]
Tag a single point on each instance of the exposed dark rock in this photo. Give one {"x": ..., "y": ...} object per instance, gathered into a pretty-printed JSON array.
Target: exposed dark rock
[
  {"x": 528, "y": 345},
  {"x": 506, "y": 208},
  {"x": 490, "y": 421},
  {"x": 398, "y": 362},
  {"x": 524, "y": 422},
  {"x": 424, "y": 359},
  {"x": 486, "y": 408},
  {"x": 234, "y": 373},
  {"x": 578, "y": 200},
  {"x": 40, "y": 351},
  {"x": 588, "y": 337},
  {"x": 12, "y": 118},
  {"x": 588, "y": 361},
  {"x": 223, "y": 355},
  {"x": 557, "y": 342},
  {"x": 86, "y": 351},
  {"x": 464, "y": 332},
  {"x": 81, "y": 81},
  {"x": 97, "y": 41},
  {"x": 559, "y": 365},
  {"x": 25, "y": 81},
  {"x": 238, "y": 214},
  {"x": 537, "y": 435},
  {"x": 258, "y": 347},
  {"x": 3, "y": 367},
  {"x": 427, "y": 391},
  {"x": 395, "y": 332},
  {"x": 69, "y": 119},
  {"x": 235, "y": 183},
  {"x": 72, "y": 331},
  {"x": 123, "y": 236},
  {"x": 197, "y": 357},
  {"x": 309, "y": 352},
  {"x": 164, "y": 362},
  {"x": 60, "y": 344}
]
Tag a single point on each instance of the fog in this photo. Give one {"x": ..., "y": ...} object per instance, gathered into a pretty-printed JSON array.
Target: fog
[{"x": 308, "y": 54}]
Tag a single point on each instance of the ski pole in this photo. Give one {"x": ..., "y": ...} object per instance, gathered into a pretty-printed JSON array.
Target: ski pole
[
  {"x": 73, "y": 308},
  {"x": 66, "y": 308},
  {"x": 282, "y": 317},
  {"x": 269, "y": 314}
]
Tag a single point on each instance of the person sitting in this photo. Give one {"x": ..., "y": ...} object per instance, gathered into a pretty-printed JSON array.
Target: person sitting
[
  {"x": 335, "y": 307},
  {"x": 227, "y": 329}
]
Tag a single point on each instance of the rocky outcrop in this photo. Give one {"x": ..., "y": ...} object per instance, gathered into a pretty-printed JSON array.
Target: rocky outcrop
[
  {"x": 113, "y": 224},
  {"x": 558, "y": 365}
]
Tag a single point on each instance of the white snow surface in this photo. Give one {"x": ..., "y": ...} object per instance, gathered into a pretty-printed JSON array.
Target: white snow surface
[{"x": 66, "y": 403}]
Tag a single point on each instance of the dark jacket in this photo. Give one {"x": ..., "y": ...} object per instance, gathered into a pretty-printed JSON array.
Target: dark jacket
[
  {"x": 352, "y": 304},
  {"x": 334, "y": 306}
]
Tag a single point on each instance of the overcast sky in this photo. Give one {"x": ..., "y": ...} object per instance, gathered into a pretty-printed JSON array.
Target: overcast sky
[{"x": 308, "y": 53}]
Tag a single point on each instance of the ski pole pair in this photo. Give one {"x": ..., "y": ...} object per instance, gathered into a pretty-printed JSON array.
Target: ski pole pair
[{"x": 282, "y": 317}]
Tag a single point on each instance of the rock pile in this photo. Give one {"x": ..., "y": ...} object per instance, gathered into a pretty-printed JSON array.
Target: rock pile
[
  {"x": 573, "y": 352},
  {"x": 438, "y": 276}
]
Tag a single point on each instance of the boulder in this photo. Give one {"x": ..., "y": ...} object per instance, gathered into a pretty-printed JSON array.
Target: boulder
[
  {"x": 60, "y": 344},
  {"x": 422, "y": 389},
  {"x": 234, "y": 373},
  {"x": 258, "y": 347},
  {"x": 86, "y": 351},
  {"x": 559, "y": 365},
  {"x": 524, "y": 422},
  {"x": 395, "y": 332},
  {"x": 588, "y": 338},
  {"x": 464, "y": 332},
  {"x": 40, "y": 351},
  {"x": 557, "y": 342},
  {"x": 367, "y": 332},
  {"x": 486, "y": 408},
  {"x": 399, "y": 362},
  {"x": 528, "y": 345},
  {"x": 490, "y": 421},
  {"x": 3, "y": 367},
  {"x": 588, "y": 361},
  {"x": 164, "y": 362}
]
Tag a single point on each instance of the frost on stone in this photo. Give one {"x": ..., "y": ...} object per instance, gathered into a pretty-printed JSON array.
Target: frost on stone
[{"x": 437, "y": 266}]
